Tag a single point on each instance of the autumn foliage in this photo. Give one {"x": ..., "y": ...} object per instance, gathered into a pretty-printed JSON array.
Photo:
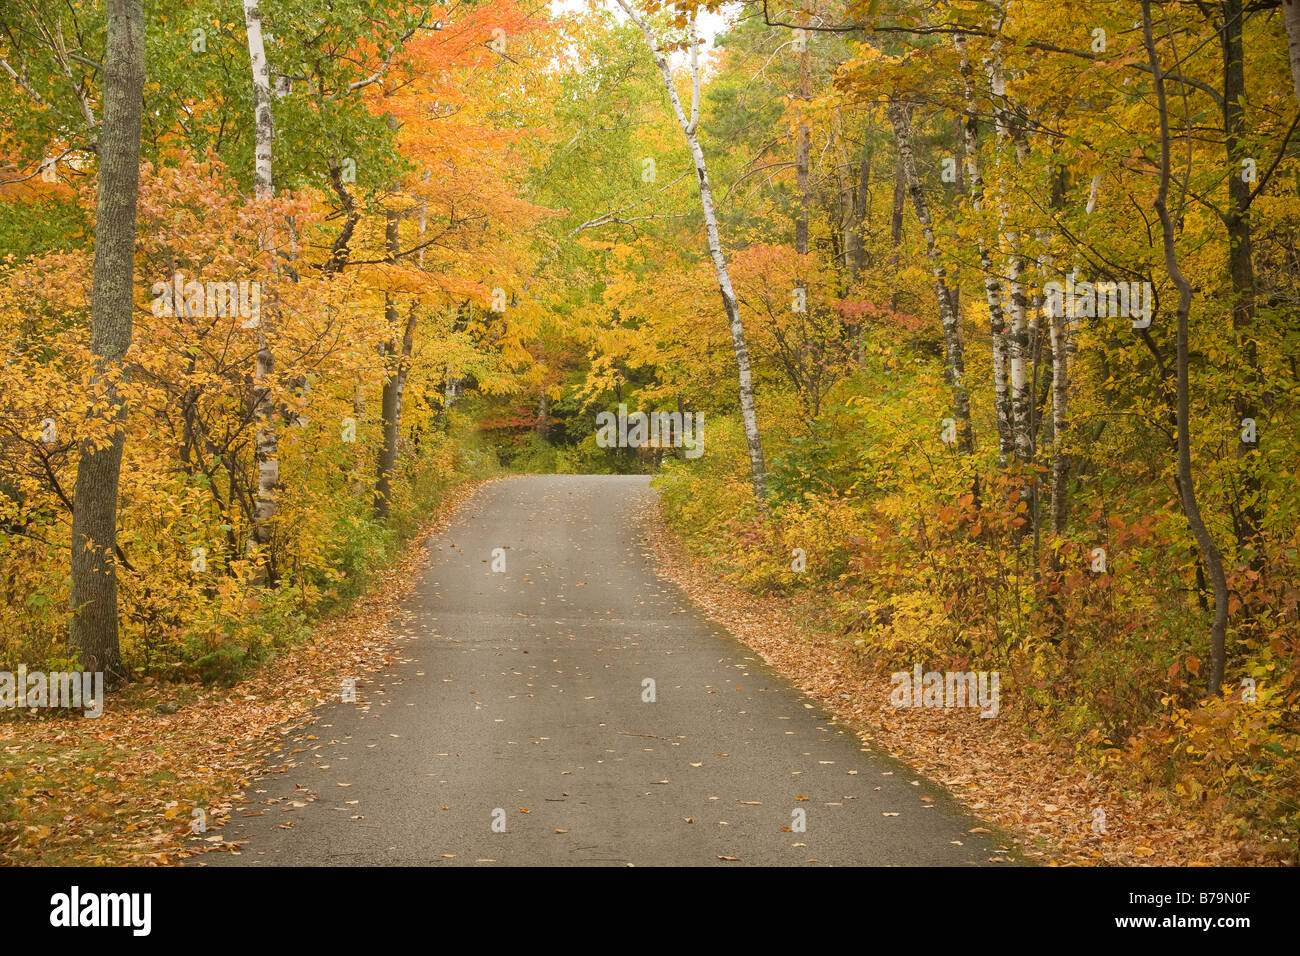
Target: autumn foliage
[{"x": 486, "y": 230}]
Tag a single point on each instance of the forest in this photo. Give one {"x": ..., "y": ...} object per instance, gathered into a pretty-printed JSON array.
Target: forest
[{"x": 980, "y": 319}]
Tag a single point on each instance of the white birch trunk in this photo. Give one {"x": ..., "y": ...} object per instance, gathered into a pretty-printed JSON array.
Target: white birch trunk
[
  {"x": 748, "y": 415},
  {"x": 992, "y": 283},
  {"x": 264, "y": 128},
  {"x": 1017, "y": 335},
  {"x": 267, "y": 455},
  {"x": 1063, "y": 345},
  {"x": 1291, "y": 15}
]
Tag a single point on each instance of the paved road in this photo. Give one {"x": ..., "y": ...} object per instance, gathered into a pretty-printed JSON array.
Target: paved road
[{"x": 519, "y": 701}]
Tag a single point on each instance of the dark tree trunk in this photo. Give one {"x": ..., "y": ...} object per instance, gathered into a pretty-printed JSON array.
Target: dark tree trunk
[
  {"x": 1241, "y": 269},
  {"x": 543, "y": 426},
  {"x": 954, "y": 359},
  {"x": 896, "y": 226},
  {"x": 854, "y": 239},
  {"x": 1187, "y": 489},
  {"x": 94, "y": 522},
  {"x": 396, "y": 365}
]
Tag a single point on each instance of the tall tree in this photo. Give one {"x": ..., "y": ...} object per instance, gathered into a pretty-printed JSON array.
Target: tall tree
[
  {"x": 1187, "y": 488},
  {"x": 992, "y": 283},
  {"x": 94, "y": 630},
  {"x": 1291, "y": 14},
  {"x": 954, "y": 357},
  {"x": 396, "y": 366},
  {"x": 803, "y": 137},
  {"x": 1241, "y": 270},
  {"x": 748, "y": 414},
  {"x": 267, "y": 455},
  {"x": 1062, "y": 337},
  {"x": 1016, "y": 302}
]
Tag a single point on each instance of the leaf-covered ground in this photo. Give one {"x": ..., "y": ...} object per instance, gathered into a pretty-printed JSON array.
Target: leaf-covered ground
[
  {"x": 121, "y": 789},
  {"x": 1040, "y": 795}
]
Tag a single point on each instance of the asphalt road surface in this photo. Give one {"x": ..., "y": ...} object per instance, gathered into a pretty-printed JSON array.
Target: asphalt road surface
[{"x": 515, "y": 727}]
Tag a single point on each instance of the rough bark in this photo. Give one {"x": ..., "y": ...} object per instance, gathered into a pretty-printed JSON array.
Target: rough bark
[
  {"x": 749, "y": 417},
  {"x": 854, "y": 240},
  {"x": 392, "y": 401},
  {"x": 1241, "y": 269},
  {"x": 1187, "y": 489},
  {"x": 543, "y": 425},
  {"x": 896, "y": 213},
  {"x": 93, "y": 629},
  {"x": 397, "y": 363},
  {"x": 390, "y": 418},
  {"x": 896, "y": 226},
  {"x": 802, "y": 141},
  {"x": 339, "y": 250}
]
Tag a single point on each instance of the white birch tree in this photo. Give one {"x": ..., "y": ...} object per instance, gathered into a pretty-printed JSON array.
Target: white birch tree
[{"x": 748, "y": 415}]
